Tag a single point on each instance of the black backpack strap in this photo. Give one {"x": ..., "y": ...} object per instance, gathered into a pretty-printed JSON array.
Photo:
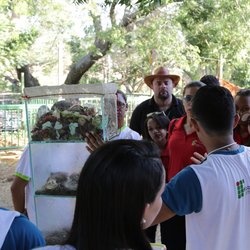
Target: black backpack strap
[{"x": 172, "y": 126}]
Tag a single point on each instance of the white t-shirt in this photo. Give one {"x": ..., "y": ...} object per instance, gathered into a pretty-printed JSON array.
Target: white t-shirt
[
  {"x": 215, "y": 197},
  {"x": 127, "y": 133},
  {"x": 224, "y": 220}
]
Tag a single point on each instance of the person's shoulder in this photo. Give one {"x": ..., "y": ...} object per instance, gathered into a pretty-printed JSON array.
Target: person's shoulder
[
  {"x": 174, "y": 124},
  {"x": 128, "y": 133},
  {"x": 134, "y": 134},
  {"x": 183, "y": 178},
  {"x": 24, "y": 161},
  {"x": 22, "y": 225},
  {"x": 24, "y": 232},
  {"x": 183, "y": 193},
  {"x": 187, "y": 172}
]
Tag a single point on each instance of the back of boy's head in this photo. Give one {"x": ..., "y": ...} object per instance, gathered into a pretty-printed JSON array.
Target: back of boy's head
[{"x": 213, "y": 107}]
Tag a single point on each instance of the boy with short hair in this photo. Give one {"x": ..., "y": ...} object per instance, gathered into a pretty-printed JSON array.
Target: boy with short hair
[{"x": 214, "y": 195}]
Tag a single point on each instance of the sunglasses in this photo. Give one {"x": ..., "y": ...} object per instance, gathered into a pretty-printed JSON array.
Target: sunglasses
[
  {"x": 188, "y": 98},
  {"x": 156, "y": 113}
]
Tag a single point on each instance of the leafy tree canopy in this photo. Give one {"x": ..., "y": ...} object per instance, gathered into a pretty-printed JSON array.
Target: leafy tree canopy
[
  {"x": 123, "y": 40},
  {"x": 219, "y": 28}
]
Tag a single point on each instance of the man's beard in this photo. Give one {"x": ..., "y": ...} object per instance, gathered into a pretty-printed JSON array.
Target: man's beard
[{"x": 163, "y": 95}]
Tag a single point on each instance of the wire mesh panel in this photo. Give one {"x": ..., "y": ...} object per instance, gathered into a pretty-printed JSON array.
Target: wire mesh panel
[{"x": 12, "y": 126}]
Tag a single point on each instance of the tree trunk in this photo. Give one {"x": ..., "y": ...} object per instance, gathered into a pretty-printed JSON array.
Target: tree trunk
[
  {"x": 29, "y": 79},
  {"x": 85, "y": 63}
]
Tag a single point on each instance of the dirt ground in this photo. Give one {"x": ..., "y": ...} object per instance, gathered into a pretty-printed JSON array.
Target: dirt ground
[{"x": 8, "y": 161}]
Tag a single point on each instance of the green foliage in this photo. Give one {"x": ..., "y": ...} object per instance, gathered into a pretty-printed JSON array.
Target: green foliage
[
  {"x": 241, "y": 75},
  {"x": 94, "y": 75},
  {"x": 187, "y": 36},
  {"x": 17, "y": 45},
  {"x": 144, "y": 6},
  {"x": 130, "y": 59},
  {"x": 218, "y": 27},
  {"x": 30, "y": 32},
  {"x": 160, "y": 36},
  {"x": 128, "y": 3}
]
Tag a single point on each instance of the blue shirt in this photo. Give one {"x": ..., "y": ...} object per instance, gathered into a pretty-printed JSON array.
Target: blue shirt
[
  {"x": 23, "y": 235},
  {"x": 183, "y": 193}
]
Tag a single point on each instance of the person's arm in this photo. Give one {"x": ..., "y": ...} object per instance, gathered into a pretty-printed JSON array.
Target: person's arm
[
  {"x": 164, "y": 214},
  {"x": 18, "y": 194},
  {"x": 182, "y": 195},
  {"x": 22, "y": 178}
]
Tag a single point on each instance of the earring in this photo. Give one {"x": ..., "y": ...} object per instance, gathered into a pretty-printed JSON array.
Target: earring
[{"x": 143, "y": 221}]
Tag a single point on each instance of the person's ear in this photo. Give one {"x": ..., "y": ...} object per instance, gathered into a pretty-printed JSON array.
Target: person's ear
[
  {"x": 195, "y": 125},
  {"x": 236, "y": 120}
]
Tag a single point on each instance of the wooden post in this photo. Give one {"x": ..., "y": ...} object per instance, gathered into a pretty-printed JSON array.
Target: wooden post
[
  {"x": 221, "y": 62},
  {"x": 60, "y": 62}
]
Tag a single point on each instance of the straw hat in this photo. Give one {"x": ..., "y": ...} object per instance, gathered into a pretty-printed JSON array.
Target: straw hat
[{"x": 161, "y": 72}]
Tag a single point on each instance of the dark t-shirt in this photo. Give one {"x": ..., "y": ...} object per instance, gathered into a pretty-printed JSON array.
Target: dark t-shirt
[{"x": 139, "y": 115}]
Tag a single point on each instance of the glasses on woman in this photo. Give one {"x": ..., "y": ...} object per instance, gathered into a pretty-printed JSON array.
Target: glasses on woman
[
  {"x": 156, "y": 113},
  {"x": 188, "y": 98},
  {"x": 120, "y": 105}
]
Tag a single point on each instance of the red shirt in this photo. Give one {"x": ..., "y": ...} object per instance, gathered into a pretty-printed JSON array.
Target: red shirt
[
  {"x": 239, "y": 139},
  {"x": 181, "y": 147}
]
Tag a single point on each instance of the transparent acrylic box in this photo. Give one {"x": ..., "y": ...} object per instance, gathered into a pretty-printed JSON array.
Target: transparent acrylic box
[{"x": 56, "y": 162}]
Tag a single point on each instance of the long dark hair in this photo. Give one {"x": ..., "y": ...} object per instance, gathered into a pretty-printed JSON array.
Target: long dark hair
[{"x": 116, "y": 183}]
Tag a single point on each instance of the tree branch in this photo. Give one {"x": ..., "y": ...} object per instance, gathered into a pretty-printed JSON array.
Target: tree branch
[
  {"x": 128, "y": 18},
  {"x": 102, "y": 46},
  {"x": 112, "y": 12}
]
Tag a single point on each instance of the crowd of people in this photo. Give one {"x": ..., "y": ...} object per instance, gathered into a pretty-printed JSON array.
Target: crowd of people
[{"x": 182, "y": 164}]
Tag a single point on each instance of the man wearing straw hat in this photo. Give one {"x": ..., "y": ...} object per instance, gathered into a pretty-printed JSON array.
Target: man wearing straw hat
[{"x": 162, "y": 83}]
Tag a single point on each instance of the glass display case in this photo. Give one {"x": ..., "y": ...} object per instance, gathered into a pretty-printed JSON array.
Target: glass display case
[{"x": 57, "y": 148}]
